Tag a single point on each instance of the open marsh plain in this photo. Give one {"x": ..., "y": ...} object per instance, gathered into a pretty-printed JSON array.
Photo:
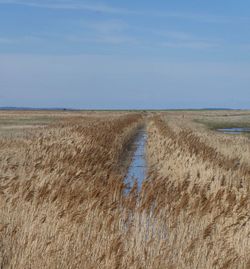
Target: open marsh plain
[{"x": 63, "y": 198}]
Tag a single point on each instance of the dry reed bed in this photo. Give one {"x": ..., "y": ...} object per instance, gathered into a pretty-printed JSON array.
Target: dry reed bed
[
  {"x": 61, "y": 195},
  {"x": 200, "y": 195},
  {"x": 236, "y": 146},
  {"x": 62, "y": 202}
]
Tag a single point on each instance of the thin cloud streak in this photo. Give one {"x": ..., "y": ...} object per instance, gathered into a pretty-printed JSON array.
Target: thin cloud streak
[
  {"x": 191, "y": 45},
  {"x": 19, "y": 40},
  {"x": 116, "y": 32},
  {"x": 113, "y": 32},
  {"x": 69, "y": 6},
  {"x": 109, "y": 40},
  {"x": 103, "y": 8}
]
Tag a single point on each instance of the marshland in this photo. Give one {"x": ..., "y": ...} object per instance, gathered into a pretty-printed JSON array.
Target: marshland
[
  {"x": 75, "y": 195},
  {"x": 124, "y": 134}
]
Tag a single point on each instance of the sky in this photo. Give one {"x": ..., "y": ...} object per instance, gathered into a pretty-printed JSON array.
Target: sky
[{"x": 125, "y": 54}]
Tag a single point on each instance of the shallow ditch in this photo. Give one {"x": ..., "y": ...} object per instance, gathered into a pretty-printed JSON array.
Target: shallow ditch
[{"x": 138, "y": 166}]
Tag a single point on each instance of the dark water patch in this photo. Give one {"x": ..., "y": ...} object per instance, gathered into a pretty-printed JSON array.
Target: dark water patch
[
  {"x": 234, "y": 130},
  {"x": 138, "y": 166}
]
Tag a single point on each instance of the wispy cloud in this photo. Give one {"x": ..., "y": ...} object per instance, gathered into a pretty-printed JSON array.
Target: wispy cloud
[
  {"x": 206, "y": 18},
  {"x": 68, "y": 5},
  {"x": 173, "y": 34},
  {"x": 115, "y": 31},
  {"x": 20, "y": 39},
  {"x": 191, "y": 44},
  {"x": 112, "y": 32},
  {"x": 119, "y": 32},
  {"x": 107, "y": 26},
  {"x": 179, "y": 39},
  {"x": 105, "y": 8},
  {"x": 105, "y": 40}
]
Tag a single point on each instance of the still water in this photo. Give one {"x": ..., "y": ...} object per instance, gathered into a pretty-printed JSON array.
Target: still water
[
  {"x": 234, "y": 130},
  {"x": 137, "y": 168}
]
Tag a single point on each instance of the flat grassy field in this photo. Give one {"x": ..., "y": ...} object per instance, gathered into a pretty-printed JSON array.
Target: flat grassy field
[
  {"x": 231, "y": 119},
  {"x": 62, "y": 192},
  {"x": 16, "y": 122}
]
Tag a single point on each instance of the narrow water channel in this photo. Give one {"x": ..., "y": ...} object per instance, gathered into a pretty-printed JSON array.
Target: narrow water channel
[
  {"x": 138, "y": 165},
  {"x": 234, "y": 130}
]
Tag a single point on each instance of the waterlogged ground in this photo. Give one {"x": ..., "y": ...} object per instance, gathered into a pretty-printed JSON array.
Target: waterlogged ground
[{"x": 138, "y": 167}]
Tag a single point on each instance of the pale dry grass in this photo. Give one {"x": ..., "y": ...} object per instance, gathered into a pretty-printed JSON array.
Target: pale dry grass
[
  {"x": 61, "y": 194},
  {"x": 201, "y": 194},
  {"x": 62, "y": 202}
]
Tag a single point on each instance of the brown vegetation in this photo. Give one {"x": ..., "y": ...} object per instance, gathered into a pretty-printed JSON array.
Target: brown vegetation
[
  {"x": 201, "y": 194},
  {"x": 61, "y": 194},
  {"x": 62, "y": 202}
]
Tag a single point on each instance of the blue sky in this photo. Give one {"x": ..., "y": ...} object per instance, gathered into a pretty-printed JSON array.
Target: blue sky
[{"x": 125, "y": 54}]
